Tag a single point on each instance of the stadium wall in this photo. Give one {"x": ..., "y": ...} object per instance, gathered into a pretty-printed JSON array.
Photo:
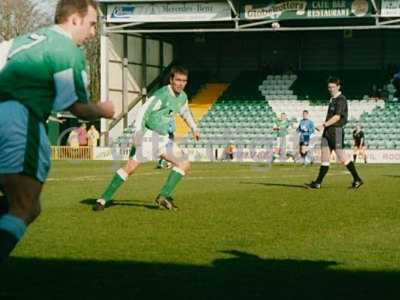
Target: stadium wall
[
  {"x": 242, "y": 155},
  {"x": 145, "y": 59}
]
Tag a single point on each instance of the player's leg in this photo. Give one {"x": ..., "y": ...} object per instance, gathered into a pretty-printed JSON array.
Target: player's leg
[
  {"x": 275, "y": 149},
  {"x": 119, "y": 178},
  {"x": 305, "y": 150},
  {"x": 325, "y": 162},
  {"x": 363, "y": 153},
  {"x": 23, "y": 194},
  {"x": 302, "y": 150},
  {"x": 24, "y": 165},
  {"x": 355, "y": 153},
  {"x": 282, "y": 148},
  {"x": 122, "y": 174},
  {"x": 344, "y": 159},
  {"x": 181, "y": 165}
]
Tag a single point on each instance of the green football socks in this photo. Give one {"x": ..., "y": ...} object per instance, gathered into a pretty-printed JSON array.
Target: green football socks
[
  {"x": 172, "y": 181},
  {"x": 119, "y": 178},
  {"x": 12, "y": 229}
]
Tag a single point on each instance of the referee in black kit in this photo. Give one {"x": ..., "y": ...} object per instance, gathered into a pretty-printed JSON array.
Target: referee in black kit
[{"x": 333, "y": 135}]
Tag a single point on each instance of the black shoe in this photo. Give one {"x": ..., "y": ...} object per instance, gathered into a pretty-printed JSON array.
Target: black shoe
[
  {"x": 357, "y": 183},
  {"x": 164, "y": 202},
  {"x": 314, "y": 185},
  {"x": 171, "y": 200},
  {"x": 99, "y": 206}
]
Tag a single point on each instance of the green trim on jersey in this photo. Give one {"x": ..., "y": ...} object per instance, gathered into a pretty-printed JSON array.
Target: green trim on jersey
[
  {"x": 283, "y": 127},
  {"x": 31, "y": 161},
  {"x": 45, "y": 71},
  {"x": 161, "y": 114}
]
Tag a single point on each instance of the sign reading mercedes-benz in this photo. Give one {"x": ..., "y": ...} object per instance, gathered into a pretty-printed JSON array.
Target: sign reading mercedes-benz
[
  {"x": 390, "y": 8},
  {"x": 306, "y": 9},
  {"x": 169, "y": 12}
]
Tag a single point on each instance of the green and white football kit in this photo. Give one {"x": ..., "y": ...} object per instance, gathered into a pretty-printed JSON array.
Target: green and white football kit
[
  {"x": 155, "y": 122},
  {"x": 42, "y": 72}
]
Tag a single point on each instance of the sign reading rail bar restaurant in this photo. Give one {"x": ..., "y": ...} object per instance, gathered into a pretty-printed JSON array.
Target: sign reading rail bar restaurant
[
  {"x": 285, "y": 10},
  {"x": 169, "y": 12}
]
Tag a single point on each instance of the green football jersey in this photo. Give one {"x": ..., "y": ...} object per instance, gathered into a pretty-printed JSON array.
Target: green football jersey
[
  {"x": 45, "y": 71},
  {"x": 283, "y": 127},
  {"x": 159, "y": 113}
]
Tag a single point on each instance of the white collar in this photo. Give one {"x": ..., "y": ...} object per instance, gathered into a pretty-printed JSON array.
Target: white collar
[
  {"x": 60, "y": 30},
  {"x": 337, "y": 95},
  {"x": 171, "y": 91}
]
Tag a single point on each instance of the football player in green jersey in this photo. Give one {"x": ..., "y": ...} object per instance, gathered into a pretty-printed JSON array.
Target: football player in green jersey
[
  {"x": 156, "y": 120},
  {"x": 42, "y": 72}
]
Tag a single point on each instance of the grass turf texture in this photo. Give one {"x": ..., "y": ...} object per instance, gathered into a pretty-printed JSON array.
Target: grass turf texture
[{"x": 243, "y": 231}]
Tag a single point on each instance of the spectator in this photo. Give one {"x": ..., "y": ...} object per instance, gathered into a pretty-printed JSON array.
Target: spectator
[
  {"x": 359, "y": 144},
  {"x": 73, "y": 138},
  {"x": 93, "y": 136},
  {"x": 229, "y": 151},
  {"x": 374, "y": 93},
  {"x": 82, "y": 135}
]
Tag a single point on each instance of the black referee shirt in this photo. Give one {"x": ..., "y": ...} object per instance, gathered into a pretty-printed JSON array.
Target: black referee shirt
[
  {"x": 357, "y": 136},
  {"x": 338, "y": 106}
]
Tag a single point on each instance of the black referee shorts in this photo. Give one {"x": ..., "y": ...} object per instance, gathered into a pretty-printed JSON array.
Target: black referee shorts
[{"x": 333, "y": 137}]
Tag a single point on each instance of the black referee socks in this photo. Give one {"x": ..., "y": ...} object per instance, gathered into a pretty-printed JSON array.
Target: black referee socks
[
  {"x": 322, "y": 172},
  {"x": 352, "y": 169}
]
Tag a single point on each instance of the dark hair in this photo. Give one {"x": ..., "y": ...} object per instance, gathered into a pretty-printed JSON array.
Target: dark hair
[
  {"x": 305, "y": 111},
  {"x": 66, "y": 8},
  {"x": 178, "y": 70},
  {"x": 335, "y": 80}
]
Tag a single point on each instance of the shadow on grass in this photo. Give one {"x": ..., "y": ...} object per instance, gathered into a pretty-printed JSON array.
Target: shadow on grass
[
  {"x": 392, "y": 176},
  {"x": 92, "y": 201},
  {"x": 239, "y": 276},
  {"x": 286, "y": 185}
]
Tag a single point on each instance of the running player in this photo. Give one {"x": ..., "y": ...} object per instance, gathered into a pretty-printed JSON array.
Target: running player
[
  {"x": 306, "y": 129},
  {"x": 282, "y": 130},
  {"x": 155, "y": 120},
  {"x": 359, "y": 144},
  {"x": 43, "y": 72},
  {"x": 333, "y": 135}
]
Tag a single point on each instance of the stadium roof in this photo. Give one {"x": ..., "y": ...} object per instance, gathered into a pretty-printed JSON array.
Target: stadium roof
[{"x": 174, "y": 16}]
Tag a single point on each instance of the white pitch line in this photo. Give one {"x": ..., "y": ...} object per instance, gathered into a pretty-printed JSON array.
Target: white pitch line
[{"x": 102, "y": 177}]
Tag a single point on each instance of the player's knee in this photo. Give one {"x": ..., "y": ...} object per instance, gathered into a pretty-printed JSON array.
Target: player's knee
[
  {"x": 184, "y": 166},
  {"x": 131, "y": 166},
  {"x": 27, "y": 208}
]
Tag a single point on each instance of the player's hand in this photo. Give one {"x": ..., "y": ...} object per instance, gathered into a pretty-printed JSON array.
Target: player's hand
[
  {"x": 320, "y": 127},
  {"x": 196, "y": 135},
  {"x": 107, "y": 109}
]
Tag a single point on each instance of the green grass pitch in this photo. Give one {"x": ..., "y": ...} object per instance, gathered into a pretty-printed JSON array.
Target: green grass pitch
[{"x": 243, "y": 231}]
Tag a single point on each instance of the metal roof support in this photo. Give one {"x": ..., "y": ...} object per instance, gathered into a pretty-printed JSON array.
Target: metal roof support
[
  {"x": 286, "y": 29},
  {"x": 390, "y": 22},
  {"x": 232, "y": 8},
  {"x": 124, "y": 25},
  {"x": 257, "y": 23},
  {"x": 374, "y": 5}
]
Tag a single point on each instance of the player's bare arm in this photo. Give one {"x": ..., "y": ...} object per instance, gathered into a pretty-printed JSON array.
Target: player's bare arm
[
  {"x": 93, "y": 111},
  {"x": 330, "y": 122}
]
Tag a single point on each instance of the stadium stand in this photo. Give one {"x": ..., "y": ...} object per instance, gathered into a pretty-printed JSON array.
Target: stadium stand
[
  {"x": 241, "y": 115},
  {"x": 245, "y": 112},
  {"x": 381, "y": 127},
  {"x": 277, "y": 87},
  {"x": 356, "y": 83}
]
